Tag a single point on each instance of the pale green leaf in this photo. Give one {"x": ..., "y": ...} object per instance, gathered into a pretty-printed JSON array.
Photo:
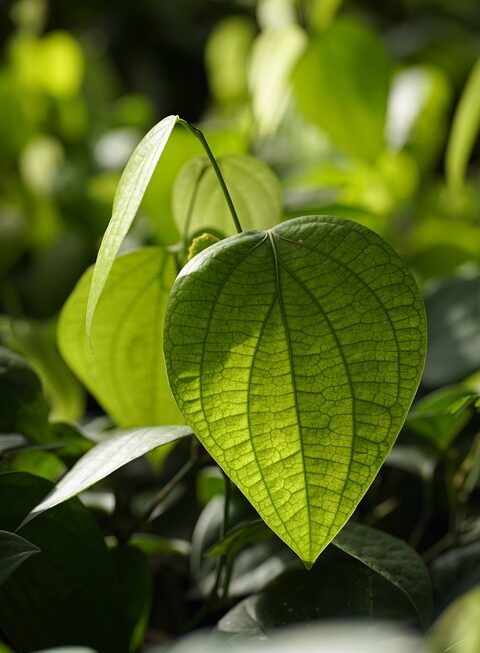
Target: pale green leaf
[
  {"x": 122, "y": 364},
  {"x": 130, "y": 191},
  {"x": 105, "y": 458},
  {"x": 465, "y": 128},
  {"x": 294, "y": 355},
  {"x": 198, "y": 201},
  {"x": 342, "y": 83},
  {"x": 457, "y": 629},
  {"x": 14, "y": 550},
  {"x": 274, "y": 56},
  {"x": 393, "y": 559}
]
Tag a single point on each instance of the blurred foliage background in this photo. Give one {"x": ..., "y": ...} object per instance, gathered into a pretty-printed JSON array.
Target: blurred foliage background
[{"x": 362, "y": 109}]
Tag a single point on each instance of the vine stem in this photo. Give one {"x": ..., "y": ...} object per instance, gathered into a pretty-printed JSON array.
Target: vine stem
[
  {"x": 223, "y": 531},
  {"x": 198, "y": 134}
]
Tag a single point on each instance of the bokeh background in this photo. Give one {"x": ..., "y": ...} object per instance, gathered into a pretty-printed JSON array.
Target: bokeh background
[{"x": 351, "y": 103}]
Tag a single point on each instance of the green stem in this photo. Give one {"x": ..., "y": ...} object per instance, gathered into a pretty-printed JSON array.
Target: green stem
[
  {"x": 223, "y": 531},
  {"x": 198, "y": 134}
]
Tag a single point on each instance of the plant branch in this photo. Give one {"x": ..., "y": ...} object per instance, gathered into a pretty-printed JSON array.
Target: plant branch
[{"x": 198, "y": 134}]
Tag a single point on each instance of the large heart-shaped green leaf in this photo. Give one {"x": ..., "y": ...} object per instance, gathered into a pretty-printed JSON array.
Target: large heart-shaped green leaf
[{"x": 294, "y": 355}]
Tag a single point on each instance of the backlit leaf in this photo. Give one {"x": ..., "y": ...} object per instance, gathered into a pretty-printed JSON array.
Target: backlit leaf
[
  {"x": 342, "y": 84},
  {"x": 294, "y": 354},
  {"x": 465, "y": 128},
  {"x": 198, "y": 201},
  {"x": 122, "y": 365},
  {"x": 105, "y": 458},
  {"x": 130, "y": 191}
]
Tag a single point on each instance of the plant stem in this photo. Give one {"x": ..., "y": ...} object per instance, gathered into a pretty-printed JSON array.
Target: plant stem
[
  {"x": 160, "y": 496},
  {"x": 198, "y": 134},
  {"x": 223, "y": 531}
]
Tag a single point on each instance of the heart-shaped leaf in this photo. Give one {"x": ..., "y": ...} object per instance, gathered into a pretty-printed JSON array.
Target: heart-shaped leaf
[
  {"x": 294, "y": 355},
  {"x": 198, "y": 201}
]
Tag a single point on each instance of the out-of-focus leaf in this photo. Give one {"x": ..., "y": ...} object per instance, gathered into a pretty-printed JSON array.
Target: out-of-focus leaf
[
  {"x": 226, "y": 56},
  {"x": 68, "y": 593},
  {"x": 105, "y": 458},
  {"x": 41, "y": 463},
  {"x": 440, "y": 416},
  {"x": 464, "y": 132},
  {"x": 14, "y": 550},
  {"x": 274, "y": 55},
  {"x": 456, "y": 572},
  {"x": 342, "y": 84},
  {"x": 457, "y": 629},
  {"x": 24, "y": 410},
  {"x": 130, "y": 191},
  {"x": 453, "y": 314},
  {"x": 198, "y": 201},
  {"x": 122, "y": 362},
  {"x": 239, "y": 538},
  {"x": 336, "y": 587},
  {"x": 136, "y": 587},
  {"x": 210, "y": 483},
  {"x": 393, "y": 559},
  {"x": 36, "y": 343}
]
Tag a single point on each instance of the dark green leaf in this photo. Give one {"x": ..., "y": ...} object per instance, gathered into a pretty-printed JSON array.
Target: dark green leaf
[
  {"x": 393, "y": 559},
  {"x": 14, "y": 550},
  {"x": 453, "y": 313},
  {"x": 68, "y": 594},
  {"x": 136, "y": 587}
]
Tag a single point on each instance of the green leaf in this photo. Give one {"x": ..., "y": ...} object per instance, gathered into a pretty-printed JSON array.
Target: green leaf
[
  {"x": 393, "y": 559},
  {"x": 457, "y": 628},
  {"x": 338, "y": 586},
  {"x": 453, "y": 312},
  {"x": 36, "y": 343},
  {"x": 464, "y": 132},
  {"x": 14, "y": 550},
  {"x": 238, "y": 538},
  {"x": 105, "y": 458},
  {"x": 274, "y": 54},
  {"x": 198, "y": 202},
  {"x": 136, "y": 584},
  {"x": 130, "y": 191},
  {"x": 294, "y": 355},
  {"x": 68, "y": 593},
  {"x": 440, "y": 416},
  {"x": 342, "y": 84},
  {"x": 122, "y": 364}
]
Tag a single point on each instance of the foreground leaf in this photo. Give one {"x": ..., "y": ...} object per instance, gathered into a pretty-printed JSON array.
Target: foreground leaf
[
  {"x": 14, "y": 550},
  {"x": 122, "y": 364},
  {"x": 130, "y": 191},
  {"x": 294, "y": 355},
  {"x": 107, "y": 457},
  {"x": 393, "y": 559},
  {"x": 68, "y": 593}
]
